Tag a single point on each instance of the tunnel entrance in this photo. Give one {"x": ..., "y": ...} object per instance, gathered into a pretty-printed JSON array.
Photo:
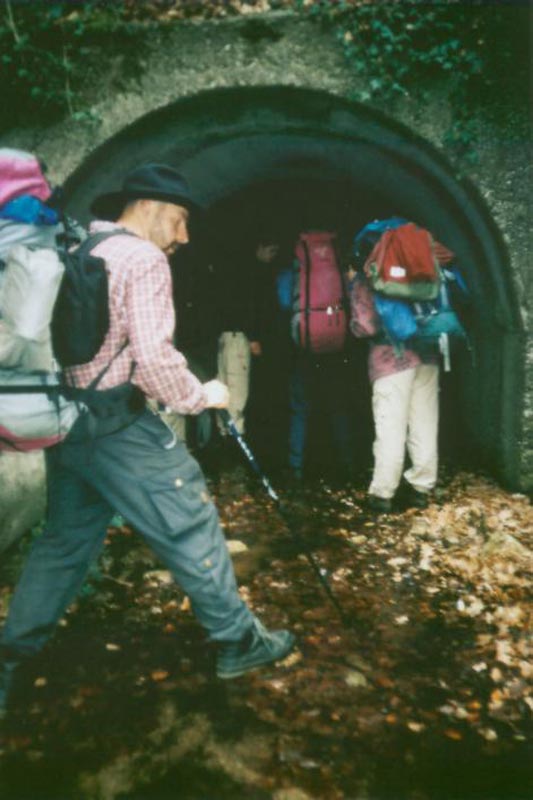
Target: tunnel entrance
[
  {"x": 279, "y": 210},
  {"x": 263, "y": 157}
]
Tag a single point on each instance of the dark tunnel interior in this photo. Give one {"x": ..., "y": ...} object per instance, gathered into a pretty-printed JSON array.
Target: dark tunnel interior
[{"x": 216, "y": 269}]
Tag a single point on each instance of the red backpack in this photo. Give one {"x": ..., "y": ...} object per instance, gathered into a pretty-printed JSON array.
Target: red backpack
[
  {"x": 320, "y": 319},
  {"x": 403, "y": 264}
]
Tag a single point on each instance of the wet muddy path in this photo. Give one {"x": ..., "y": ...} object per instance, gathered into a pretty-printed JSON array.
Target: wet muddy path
[{"x": 425, "y": 695}]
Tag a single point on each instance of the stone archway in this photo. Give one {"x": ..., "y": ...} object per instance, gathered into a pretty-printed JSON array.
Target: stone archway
[{"x": 228, "y": 140}]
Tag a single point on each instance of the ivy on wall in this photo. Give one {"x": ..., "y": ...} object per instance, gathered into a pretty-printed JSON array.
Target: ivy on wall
[
  {"x": 53, "y": 54},
  {"x": 477, "y": 51}
]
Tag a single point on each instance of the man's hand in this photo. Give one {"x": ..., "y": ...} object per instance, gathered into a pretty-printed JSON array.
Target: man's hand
[
  {"x": 255, "y": 348},
  {"x": 217, "y": 394}
]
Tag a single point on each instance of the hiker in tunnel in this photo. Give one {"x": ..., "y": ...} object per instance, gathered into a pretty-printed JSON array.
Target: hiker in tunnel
[
  {"x": 234, "y": 348},
  {"x": 121, "y": 457},
  {"x": 403, "y": 366},
  {"x": 311, "y": 292},
  {"x": 269, "y": 346}
]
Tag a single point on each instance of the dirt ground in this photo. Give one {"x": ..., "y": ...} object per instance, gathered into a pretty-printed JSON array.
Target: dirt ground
[{"x": 422, "y": 692}]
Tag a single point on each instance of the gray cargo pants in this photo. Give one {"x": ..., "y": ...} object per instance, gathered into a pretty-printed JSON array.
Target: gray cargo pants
[{"x": 150, "y": 478}]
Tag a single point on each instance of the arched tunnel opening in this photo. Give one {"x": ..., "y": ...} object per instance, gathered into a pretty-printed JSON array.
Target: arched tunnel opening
[
  {"x": 278, "y": 161},
  {"x": 217, "y": 272}
]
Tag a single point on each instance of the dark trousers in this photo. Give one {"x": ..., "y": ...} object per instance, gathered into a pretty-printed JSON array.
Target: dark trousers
[
  {"x": 150, "y": 478},
  {"x": 320, "y": 384}
]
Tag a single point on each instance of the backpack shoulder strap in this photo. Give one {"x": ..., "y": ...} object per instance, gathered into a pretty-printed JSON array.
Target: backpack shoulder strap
[
  {"x": 94, "y": 383},
  {"x": 94, "y": 239}
]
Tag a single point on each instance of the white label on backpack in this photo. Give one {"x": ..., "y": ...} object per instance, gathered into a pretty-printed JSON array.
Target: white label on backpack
[{"x": 397, "y": 272}]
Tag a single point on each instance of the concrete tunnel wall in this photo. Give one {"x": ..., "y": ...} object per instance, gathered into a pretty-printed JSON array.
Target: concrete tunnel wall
[{"x": 228, "y": 141}]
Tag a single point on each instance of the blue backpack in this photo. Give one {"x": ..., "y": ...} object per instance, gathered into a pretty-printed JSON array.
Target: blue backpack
[
  {"x": 397, "y": 318},
  {"x": 438, "y": 317},
  {"x": 285, "y": 287},
  {"x": 433, "y": 321}
]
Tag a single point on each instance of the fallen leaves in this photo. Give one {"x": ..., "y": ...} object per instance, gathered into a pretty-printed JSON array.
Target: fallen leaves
[
  {"x": 235, "y": 546},
  {"x": 402, "y": 620},
  {"x": 185, "y": 604},
  {"x": 438, "y": 656},
  {"x": 416, "y": 727},
  {"x": 158, "y": 577},
  {"x": 356, "y": 680},
  {"x": 488, "y": 733},
  {"x": 293, "y": 658},
  {"x": 454, "y": 734},
  {"x": 463, "y": 567},
  {"x": 470, "y": 606},
  {"x": 158, "y": 675}
]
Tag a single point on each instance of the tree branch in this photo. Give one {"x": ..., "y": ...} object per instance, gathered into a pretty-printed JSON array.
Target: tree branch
[
  {"x": 11, "y": 22},
  {"x": 68, "y": 90}
]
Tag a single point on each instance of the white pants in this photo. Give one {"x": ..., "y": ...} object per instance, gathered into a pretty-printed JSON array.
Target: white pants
[
  {"x": 234, "y": 370},
  {"x": 406, "y": 413}
]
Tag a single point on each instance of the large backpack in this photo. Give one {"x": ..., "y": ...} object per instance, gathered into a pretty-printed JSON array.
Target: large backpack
[
  {"x": 54, "y": 312},
  {"x": 53, "y": 305},
  {"x": 319, "y": 316},
  {"x": 34, "y": 413},
  {"x": 434, "y": 322},
  {"x": 403, "y": 264},
  {"x": 28, "y": 292}
]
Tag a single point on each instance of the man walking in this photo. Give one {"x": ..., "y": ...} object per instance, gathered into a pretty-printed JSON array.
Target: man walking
[{"x": 130, "y": 461}]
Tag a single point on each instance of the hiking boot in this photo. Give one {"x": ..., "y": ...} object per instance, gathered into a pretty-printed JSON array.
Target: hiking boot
[
  {"x": 381, "y": 505},
  {"x": 8, "y": 671},
  {"x": 412, "y": 498},
  {"x": 257, "y": 648}
]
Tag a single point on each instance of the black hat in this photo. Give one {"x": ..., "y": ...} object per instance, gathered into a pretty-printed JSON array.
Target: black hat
[{"x": 149, "y": 182}]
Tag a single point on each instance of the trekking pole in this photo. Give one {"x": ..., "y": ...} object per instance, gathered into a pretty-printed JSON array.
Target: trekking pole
[{"x": 319, "y": 571}]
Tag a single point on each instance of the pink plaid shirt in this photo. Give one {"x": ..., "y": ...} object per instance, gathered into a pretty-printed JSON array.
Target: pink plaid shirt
[{"x": 141, "y": 313}]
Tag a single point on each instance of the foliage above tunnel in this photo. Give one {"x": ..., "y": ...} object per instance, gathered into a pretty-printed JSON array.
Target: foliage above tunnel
[
  {"x": 477, "y": 52},
  {"x": 54, "y": 54}
]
